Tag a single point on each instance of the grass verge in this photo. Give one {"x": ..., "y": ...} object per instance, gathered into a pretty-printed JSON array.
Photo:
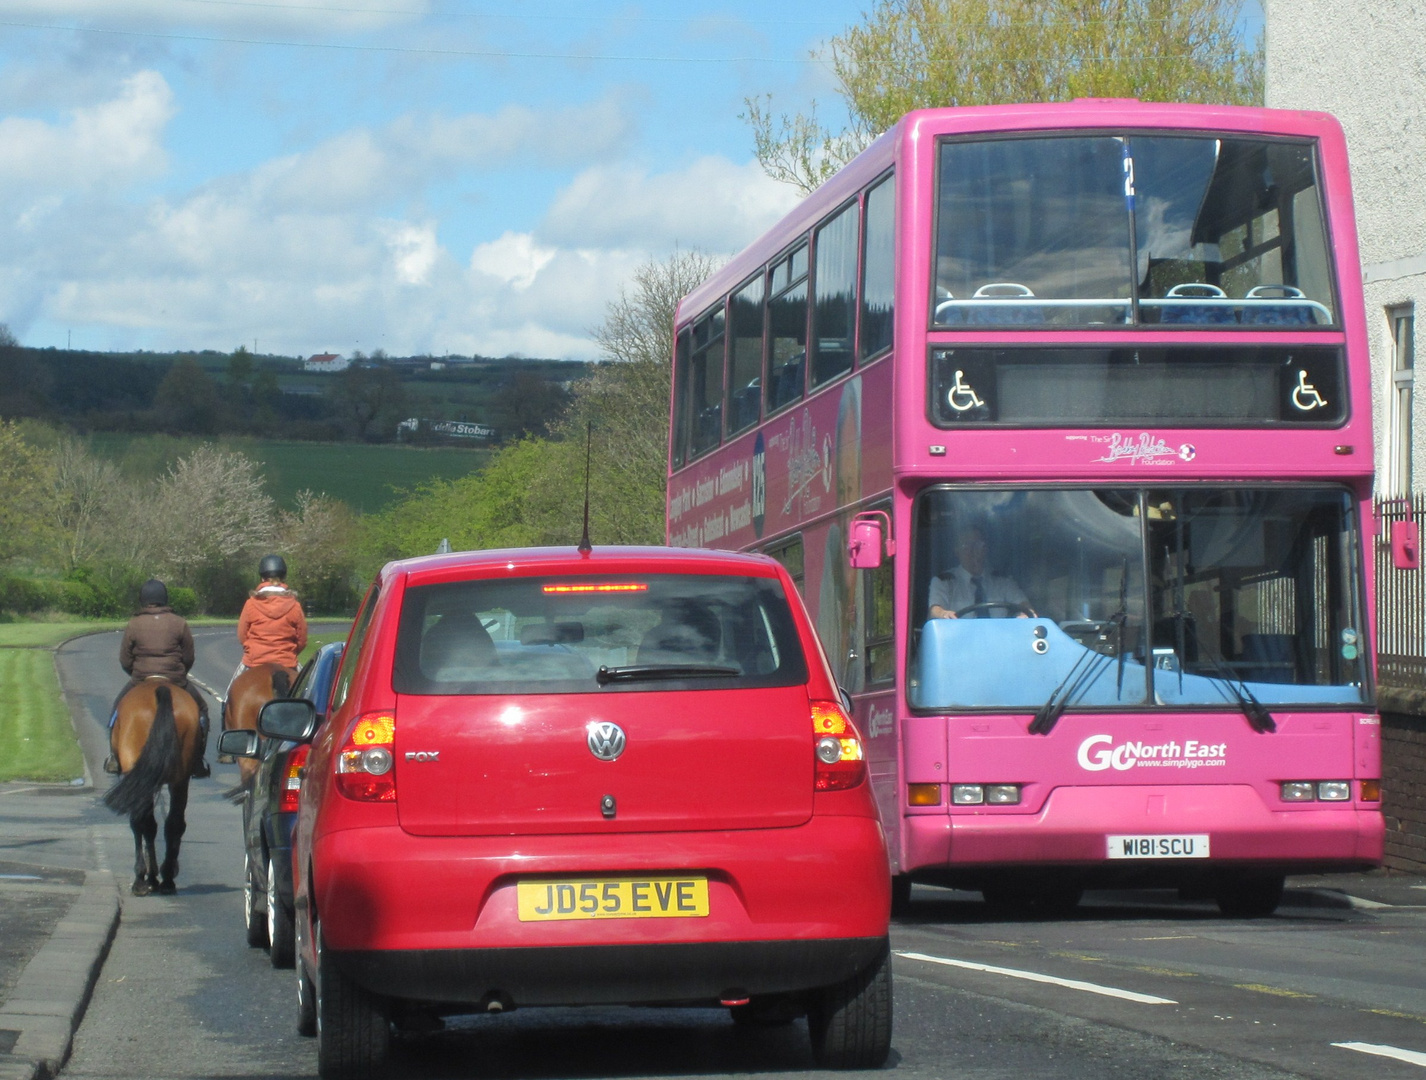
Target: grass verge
[{"x": 36, "y": 738}]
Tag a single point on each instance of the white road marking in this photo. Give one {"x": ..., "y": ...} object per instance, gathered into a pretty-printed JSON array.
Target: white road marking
[
  {"x": 1035, "y": 976},
  {"x": 1411, "y": 1057}
]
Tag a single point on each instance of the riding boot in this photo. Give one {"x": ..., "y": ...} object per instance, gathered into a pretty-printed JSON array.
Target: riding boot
[{"x": 201, "y": 769}]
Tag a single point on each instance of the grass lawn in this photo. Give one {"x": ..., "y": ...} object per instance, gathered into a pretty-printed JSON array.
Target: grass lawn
[{"x": 36, "y": 739}]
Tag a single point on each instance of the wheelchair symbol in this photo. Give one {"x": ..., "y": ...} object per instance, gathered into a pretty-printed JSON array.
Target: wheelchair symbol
[
  {"x": 1305, "y": 396},
  {"x": 962, "y": 397}
]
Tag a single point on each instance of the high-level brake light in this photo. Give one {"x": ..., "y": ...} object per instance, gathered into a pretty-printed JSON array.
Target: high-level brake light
[{"x": 601, "y": 587}]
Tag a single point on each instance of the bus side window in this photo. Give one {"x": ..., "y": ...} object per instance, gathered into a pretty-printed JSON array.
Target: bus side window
[
  {"x": 705, "y": 384},
  {"x": 682, "y": 349},
  {"x": 834, "y": 288},
  {"x": 745, "y": 356},
  {"x": 878, "y": 270},
  {"x": 787, "y": 330},
  {"x": 789, "y": 553}
]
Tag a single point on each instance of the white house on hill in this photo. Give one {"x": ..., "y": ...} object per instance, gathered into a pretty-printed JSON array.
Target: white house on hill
[{"x": 327, "y": 362}]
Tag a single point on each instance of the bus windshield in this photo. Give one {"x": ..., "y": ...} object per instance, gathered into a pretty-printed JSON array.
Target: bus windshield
[
  {"x": 1145, "y": 597},
  {"x": 1192, "y": 230}
]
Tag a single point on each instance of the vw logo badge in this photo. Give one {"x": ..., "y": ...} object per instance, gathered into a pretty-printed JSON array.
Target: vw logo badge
[{"x": 606, "y": 739}]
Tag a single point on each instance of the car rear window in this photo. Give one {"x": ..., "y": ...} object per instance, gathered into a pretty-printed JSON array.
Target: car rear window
[{"x": 586, "y": 634}]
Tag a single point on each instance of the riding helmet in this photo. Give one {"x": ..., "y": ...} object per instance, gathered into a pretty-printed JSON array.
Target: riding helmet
[
  {"x": 272, "y": 566},
  {"x": 153, "y": 593}
]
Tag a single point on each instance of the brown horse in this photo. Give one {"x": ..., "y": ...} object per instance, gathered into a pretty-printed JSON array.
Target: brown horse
[
  {"x": 250, "y": 691},
  {"x": 155, "y": 739}
]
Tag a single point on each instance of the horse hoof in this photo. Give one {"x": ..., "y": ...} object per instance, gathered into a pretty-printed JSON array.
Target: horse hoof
[
  {"x": 167, "y": 888},
  {"x": 141, "y": 888}
]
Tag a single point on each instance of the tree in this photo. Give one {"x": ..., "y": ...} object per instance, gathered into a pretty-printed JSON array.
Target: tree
[
  {"x": 527, "y": 405},
  {"x": 366, "y": 397},
  {"x": 187, "y": 399},
  {"x": 90, "y": 494},
  {"x": 26, "y": 494},
  {"x": 318, "y": 538},
  {"x": 915, "y": 54},
  {"x": 240, "y": 366},
  {"x": 7, "y": 339}
]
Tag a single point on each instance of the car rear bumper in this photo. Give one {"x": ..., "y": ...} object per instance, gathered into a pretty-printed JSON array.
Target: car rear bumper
[
  {"x": 703, "y": 973},
  {"x": 383, "y": 890}
]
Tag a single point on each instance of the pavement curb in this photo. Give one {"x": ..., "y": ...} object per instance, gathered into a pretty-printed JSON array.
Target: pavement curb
[{"x": 49, "y": 999}]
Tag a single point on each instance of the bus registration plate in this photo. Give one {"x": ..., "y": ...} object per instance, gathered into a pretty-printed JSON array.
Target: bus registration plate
[
  {"x": 1192, "y": 846},
  {"x": 624, "y": 898}
]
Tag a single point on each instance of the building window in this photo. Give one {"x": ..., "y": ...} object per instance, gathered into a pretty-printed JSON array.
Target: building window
[{"x": 1402, "y": 321}]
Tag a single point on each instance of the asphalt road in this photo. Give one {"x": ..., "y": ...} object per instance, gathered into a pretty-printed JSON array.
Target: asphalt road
[{"x": 1134, "y": 986}]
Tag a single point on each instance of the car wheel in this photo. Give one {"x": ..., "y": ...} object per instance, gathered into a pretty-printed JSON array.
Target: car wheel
[
  {"x": 850, "y": 1023},
  {"x": 353, "y": 1030},
  {"x": 279, "y": 924},
  {"x": 1249, "y": 896},
  {"x": 306, "y": 1003},
  {"x": 254, "y": 917}
]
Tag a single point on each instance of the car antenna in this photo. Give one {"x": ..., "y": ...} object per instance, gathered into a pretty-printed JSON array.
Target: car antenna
[{"x": 585, "y": 547}]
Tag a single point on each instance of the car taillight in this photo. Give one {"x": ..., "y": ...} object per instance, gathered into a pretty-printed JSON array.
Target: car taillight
[
  {"x": 365, "y": 766},
  {"x": 292, "y": 779},
  {"x": 836, "y": 748}
]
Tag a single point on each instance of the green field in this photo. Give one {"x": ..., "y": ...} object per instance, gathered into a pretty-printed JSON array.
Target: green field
[{"x": 367, "y": 477}]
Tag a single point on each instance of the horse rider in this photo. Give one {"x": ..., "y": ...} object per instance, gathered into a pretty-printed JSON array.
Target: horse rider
[
  {"x": 272, "y": 628},
  {"x": 158, "y": 643}
]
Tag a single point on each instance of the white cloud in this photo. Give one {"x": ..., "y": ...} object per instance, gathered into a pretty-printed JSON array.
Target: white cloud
[
  {"x": 345, "y": 16},
  {"x": 415, "y": 251},
  {"x": 110, "y": 142},
  {"x": 515, "y": 258},
  {"x": 714, "y": 204}
]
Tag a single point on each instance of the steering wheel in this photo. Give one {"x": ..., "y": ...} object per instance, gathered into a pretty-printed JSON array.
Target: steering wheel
[{"x": 1013, "y": 609}]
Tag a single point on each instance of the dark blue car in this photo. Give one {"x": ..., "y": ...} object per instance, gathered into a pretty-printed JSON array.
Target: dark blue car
[{"x": 270, "y": 811}]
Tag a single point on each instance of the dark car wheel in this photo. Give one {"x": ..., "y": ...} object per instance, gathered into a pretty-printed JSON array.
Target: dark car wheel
[
  {"x": 254, "y": 915},
  {"x": 1248, "y": 896},
  {"x": 353, "y": 1030},
  {"x": 850, "y": 1023},
  {"x": 280, "y": 933},
  {"x": 306, "y": 1004}
]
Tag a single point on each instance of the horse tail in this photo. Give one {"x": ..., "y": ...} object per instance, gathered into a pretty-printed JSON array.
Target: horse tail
[
  {"x": 281, "y": 683},
  {"x": 137, "y": 787}
]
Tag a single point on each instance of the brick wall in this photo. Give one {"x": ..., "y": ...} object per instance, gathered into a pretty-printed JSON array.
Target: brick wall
[{"x": 1404, "y": 790}]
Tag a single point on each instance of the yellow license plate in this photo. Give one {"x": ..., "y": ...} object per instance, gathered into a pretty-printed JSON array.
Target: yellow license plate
[{"x": 624, "y": 898}]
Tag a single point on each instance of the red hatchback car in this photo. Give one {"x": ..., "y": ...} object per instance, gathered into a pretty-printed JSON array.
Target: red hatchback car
[{"x": 553, "y": 777}]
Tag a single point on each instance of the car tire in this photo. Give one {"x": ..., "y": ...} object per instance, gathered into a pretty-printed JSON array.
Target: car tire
[
  {"x": 850, "y": 1023},
  {"x": 254, "y": 903},
  {"x": 353, "y": 1029},
  {"x": 280, "y": 931},
  {"x": 306, "y": 1003},
  {"x": 1248, "y": 896}
]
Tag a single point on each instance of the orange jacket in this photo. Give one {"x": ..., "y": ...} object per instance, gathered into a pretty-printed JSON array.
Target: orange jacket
[{"x": 272, "y": 628}]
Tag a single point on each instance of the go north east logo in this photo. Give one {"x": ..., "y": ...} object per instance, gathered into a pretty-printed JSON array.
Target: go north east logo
[{"x": 1098, "y": 753}]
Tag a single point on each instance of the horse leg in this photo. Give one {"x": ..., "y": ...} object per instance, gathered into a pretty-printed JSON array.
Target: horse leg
[
  {"x": 174, "y": 826},
  {"x": 145, "y": 829}
]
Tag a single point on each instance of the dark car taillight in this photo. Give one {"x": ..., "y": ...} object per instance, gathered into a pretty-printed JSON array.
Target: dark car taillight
[
  {"x": 837, "y": 749},
  {"x": 292, "y": 779},
  {"x": 367, "y": 762}
]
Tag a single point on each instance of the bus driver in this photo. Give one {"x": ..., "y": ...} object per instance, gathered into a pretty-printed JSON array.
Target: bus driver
[{"x": 970, "y": 591}]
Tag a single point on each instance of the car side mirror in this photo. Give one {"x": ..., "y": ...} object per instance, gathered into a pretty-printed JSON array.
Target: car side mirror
[
  {"x": 869, "y": 531},
  {"x": 1406, "y": 545},
  {"x": 240, "y": 742},
  {"x": 288, "y": 718}
]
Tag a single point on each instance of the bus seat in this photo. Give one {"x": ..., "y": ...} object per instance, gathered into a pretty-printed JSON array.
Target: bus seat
[
  {"x": 1211, "y": 310},
  {"x": 788, "y": 384},
  {"x": 1262, "y": 312},
  {"x": 743, "y": 407}
]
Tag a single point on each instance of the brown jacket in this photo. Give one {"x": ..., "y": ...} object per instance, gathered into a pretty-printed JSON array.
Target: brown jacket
[
  {"x": 272, "y": 628},
  {"x": 157, "y": 642}
]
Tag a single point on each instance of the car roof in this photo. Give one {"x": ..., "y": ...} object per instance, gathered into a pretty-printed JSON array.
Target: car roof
[{"x": 610, "y": 559}]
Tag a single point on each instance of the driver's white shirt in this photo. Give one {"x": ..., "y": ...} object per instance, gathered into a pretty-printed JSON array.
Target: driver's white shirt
[{"x": 956, "y": 590}]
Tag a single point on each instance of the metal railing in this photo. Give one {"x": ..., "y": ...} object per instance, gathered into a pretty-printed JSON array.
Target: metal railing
[{"x": 1400, "y": 601}]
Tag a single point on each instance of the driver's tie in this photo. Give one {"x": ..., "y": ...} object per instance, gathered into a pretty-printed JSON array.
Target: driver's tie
[{"x": 979, "y": 584}]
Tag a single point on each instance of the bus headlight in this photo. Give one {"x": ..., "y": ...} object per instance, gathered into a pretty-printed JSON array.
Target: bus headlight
[
  {"x": 1334, "y": 790},
  {"x": 1298, "y": 791},
  {"x": 967, "y": 794}
]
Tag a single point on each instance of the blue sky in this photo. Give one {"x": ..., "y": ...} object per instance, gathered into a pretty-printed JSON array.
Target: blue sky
[{"x": 412, "y": 175}]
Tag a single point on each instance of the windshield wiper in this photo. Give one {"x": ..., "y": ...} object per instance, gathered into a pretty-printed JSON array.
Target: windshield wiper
[
  {"x": 1259, "y": 719},
  {"x": 1079, "y": 677},
  {"x": 638, "y": 672}
]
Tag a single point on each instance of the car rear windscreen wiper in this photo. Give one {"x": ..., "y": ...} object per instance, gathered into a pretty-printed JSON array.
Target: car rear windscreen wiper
[{"x": 638, "y": 672}]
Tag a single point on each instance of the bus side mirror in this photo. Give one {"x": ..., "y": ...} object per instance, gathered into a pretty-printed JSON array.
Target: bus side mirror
[
  {"x": 866, "y": 539},
  {"x": 1406, "y": 545}
]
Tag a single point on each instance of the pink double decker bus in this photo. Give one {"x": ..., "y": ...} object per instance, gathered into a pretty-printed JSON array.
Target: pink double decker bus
[{"x": 1060, "y": 416}]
